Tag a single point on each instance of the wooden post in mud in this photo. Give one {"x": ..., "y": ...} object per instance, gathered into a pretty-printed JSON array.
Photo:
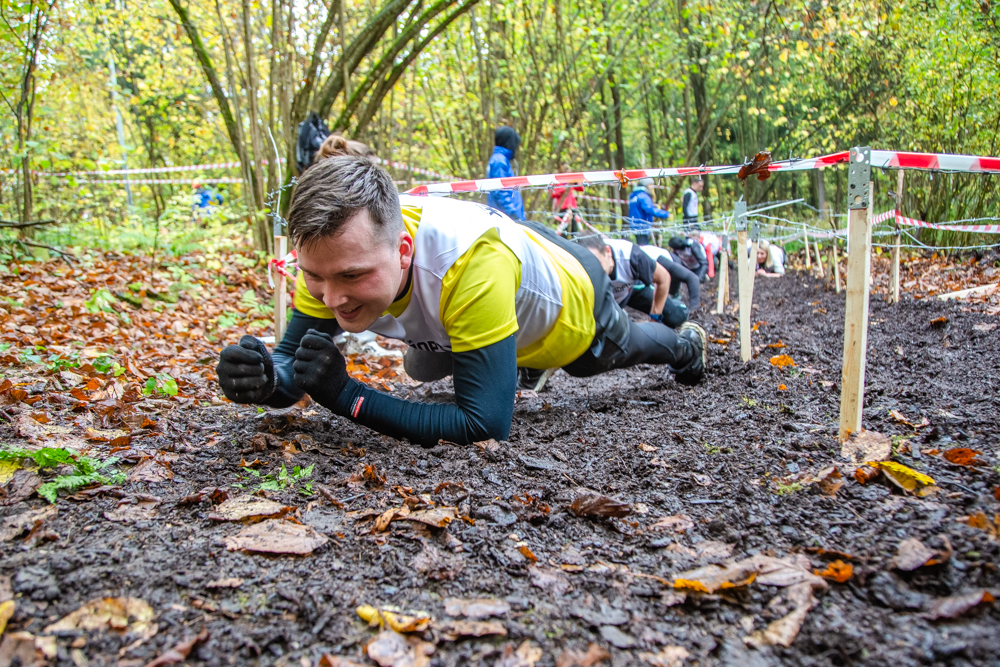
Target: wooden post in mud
[
  {"x": 894, "y": 269},
  {"x": 805, "y": 240},
  {"x": 280, "y": 288},
  {"x": 722, "y": 270},
  {"x": 744, "y": 276},
  {"x": 835, "y": 264},
  {"x": 819, "y": 260},
  {"x": 860, "y": 196}
]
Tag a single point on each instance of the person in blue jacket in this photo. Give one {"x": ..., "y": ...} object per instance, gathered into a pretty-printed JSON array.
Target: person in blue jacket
[
  {"x": 506, "y": 141},
  {"x": 642, "y": 210}
]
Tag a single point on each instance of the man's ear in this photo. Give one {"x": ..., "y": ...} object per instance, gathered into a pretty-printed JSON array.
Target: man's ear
[{"x": 405, "y": 250}]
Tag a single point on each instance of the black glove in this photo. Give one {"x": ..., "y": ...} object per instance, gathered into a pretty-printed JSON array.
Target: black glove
[
  {"x": 320, "y": 369},
  {"x": 246, "y": 372}
]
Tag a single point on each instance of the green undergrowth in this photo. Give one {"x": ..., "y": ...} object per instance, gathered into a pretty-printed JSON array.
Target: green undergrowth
[{"x": 84, "y": 470}]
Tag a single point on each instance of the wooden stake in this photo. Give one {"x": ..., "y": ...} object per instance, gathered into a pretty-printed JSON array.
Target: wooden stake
[
  {"x": 852, "y": 391},
  {"x": 280, "y": 292},
  {"x": 743, "y": 273},
  {"x": 836, "y": 264},
  {"x": 752, "y": 261},
  {"x": 805, "y": 238},
  {"x": 819, "y": 260},
  {"x": 725, "y": 295},
  {"x": 894, "y": 269},
  {"x": 722, "y": 270}
]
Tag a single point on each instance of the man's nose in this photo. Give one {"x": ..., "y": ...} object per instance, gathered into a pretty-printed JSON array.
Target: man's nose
[{"x": 334, "y": 298}]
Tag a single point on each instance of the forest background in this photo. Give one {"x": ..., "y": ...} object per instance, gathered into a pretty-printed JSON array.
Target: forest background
[{"x": 589, "y": 84}]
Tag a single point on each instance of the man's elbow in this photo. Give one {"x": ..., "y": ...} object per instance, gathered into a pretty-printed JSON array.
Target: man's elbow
[{"x": 489, "y": 427}]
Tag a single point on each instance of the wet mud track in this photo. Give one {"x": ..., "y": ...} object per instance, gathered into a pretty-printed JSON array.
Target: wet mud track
[{"x": 731, "y": 460}]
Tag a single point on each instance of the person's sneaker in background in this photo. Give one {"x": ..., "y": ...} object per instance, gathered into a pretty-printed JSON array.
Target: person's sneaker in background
[{"x": 694, "y": 371}]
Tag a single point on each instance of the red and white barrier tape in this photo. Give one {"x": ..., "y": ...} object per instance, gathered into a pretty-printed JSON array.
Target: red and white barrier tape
[
  {"x": 880, "y": 159},
  {"x": 973, "y": 164},
  {"x": 622, "y": 177},
  {"x": 282, "y": 266},
  {"x": 903, "y": 220},
  {"x": 160, "y": 181}
]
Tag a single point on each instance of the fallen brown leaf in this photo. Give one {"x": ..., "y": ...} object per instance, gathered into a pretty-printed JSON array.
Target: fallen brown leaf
[
  {"x": 475, "y": 608},
  {"x": 121, "y": 614},
  {"x": 912, "y": 553},
  {"x": 130, "y": 511},
  {"x": 783, "y": 631},
  {"x": 453, "y": 630},
  {"x": 553, "y": 581},
  {"x": 391, "y": 649},
  {"x": 278, "y": 537},
  {"x": 248, "y": 507},
  {"x": 668, "y": 656},
  {"x": 180, "y": 652},
  {"x": 327, "y": 660},
  {"x": 782, "y": 360},
  {"x": 677, "y": 523},
  {"x": 828, "y": 481},
  {"x": 982, "y": 522},
  {"x": 956, "y": 605},
  {"x": 963, "y": 456},
  {"x": 866, "y": 446},
  {"x": 24, "y": 648},
  {"x": 439, "y": 517},
  {"x": 594, "y": 505},
  {"x": 711, "y": 578},
  {"x": 838, "y": 570},
  {"x": 438, "y": 565},
  {"x": 225, "y": 582},
  {"x": 595, "y": 655},
  {"x": 526, "y": 655},
  {"x": 784, "y": 572},
  {"x": 21, "y": 485},
  {"x": 14, "y": 526}
]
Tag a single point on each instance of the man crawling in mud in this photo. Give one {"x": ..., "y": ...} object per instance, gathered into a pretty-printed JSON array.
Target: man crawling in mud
[{"x": 473, "y": 294}]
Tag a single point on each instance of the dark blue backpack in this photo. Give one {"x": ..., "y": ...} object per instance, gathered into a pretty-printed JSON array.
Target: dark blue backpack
[{"x": 312, "y": 133}]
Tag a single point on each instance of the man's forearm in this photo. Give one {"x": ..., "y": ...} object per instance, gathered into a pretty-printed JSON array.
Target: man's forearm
[
  {"x": 485, "y": 381},
  {"x": 286, "y": 393}
]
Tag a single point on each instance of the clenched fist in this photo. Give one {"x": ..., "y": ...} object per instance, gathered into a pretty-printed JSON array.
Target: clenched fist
[
  {"x": 246, "y": 372},
  {"x": 320, "y": 369}
]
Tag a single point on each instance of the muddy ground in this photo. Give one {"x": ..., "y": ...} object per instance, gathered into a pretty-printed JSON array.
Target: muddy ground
[{"x": 735, "y": 455}]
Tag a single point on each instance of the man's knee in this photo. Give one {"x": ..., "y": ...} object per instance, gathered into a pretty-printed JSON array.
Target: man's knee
[{"x": 425, "y": 366}]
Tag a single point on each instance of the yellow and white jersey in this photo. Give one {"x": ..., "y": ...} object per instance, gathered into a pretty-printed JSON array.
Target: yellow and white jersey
[{"x": 479, "y": 277}]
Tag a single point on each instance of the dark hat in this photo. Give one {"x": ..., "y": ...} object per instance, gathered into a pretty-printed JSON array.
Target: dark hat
[
  {"x": 507, "y": 137},
  {"x": 679, "y": 242}
]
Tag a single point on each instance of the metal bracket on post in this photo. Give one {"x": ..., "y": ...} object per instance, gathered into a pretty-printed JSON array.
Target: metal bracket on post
[
  {"x": 755, "y": 231},
  {"x": 740, "y": 216},
  {"x": 859, "y": 175}
]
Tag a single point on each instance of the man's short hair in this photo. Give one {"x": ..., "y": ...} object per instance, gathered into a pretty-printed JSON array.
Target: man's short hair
[
  {"x": 334, "y": 190},
  {"x": 592, "y": 242}
]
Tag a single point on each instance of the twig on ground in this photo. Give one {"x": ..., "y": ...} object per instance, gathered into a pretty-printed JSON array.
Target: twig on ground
[{"x": 67, "y": 257}]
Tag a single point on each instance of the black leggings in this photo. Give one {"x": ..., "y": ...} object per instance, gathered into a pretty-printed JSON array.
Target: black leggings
[
  {"x": 646, "y": 343},
  {"x": 681, "y": 274},
  {"x": 674, "y": 312}
]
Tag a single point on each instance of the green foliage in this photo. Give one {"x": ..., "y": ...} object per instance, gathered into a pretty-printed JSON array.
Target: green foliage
[
  {"x": 282, "y": 481},
  {"x": 46, "y": 457},
  {"x": 161, "y": 384},
  {"x": 86, "y": 470}
]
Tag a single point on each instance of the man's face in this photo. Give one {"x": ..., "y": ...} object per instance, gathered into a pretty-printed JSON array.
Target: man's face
[
  {"x": 605, "y": 258},
  {"x": 356, "y": 274},
  {"x": 697, "y": 186}
]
